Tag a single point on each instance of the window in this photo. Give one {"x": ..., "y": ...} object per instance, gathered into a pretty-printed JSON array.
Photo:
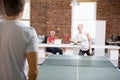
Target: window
[
  {"x": 84, "y": 13},
  {"x": 26, "y": 14}
]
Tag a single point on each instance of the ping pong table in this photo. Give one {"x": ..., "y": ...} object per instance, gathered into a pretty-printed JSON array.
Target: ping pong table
[{"x": 73, "y": 67}]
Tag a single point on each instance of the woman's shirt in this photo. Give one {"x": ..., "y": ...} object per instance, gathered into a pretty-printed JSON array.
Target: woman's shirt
[{"x": 83, "y": 40}]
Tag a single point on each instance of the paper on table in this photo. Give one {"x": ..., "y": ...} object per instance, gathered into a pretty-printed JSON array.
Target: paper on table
[{"x": 57, "y": 41}]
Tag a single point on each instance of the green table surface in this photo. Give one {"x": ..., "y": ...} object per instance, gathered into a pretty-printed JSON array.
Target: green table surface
[
  {"x": 76, "y": 57},
  {"x": 82, "y": 61},
  {"x": 54, "y": 72},
  {"x": 66, "y": 67}
]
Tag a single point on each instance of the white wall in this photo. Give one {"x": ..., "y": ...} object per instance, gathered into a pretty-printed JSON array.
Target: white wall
[
  {"x": 84, "y": 13},
  {"x": 100, "y": 33}
]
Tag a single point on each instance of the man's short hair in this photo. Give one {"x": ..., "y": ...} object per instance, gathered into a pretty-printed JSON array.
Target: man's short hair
[{"x": 13, "y": 7}]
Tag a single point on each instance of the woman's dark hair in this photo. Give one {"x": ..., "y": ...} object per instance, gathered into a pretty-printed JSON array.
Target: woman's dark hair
[{"x": 13, "y": 7}]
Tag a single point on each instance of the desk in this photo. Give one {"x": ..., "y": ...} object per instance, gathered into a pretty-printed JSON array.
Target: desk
[
  {"x": 113, "y": 49},
  {"x": 69, "y": 47},
  {"x": 67, "y": 67},
  {"x": 113, "y": 42}
]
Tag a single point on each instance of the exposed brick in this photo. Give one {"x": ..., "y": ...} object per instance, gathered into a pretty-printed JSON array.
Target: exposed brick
[
  {"x": 109, "y": 10},
  {"x": 49, "y": 15}
]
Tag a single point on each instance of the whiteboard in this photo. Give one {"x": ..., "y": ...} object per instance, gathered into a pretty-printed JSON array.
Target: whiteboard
[{"x": 100, "y": 33}]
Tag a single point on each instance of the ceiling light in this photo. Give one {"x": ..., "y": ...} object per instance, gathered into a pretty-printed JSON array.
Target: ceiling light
[{"x": 74, "y": 3}]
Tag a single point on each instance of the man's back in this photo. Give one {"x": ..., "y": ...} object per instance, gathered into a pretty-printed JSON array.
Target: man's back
[{"x": 14, "y": 39}]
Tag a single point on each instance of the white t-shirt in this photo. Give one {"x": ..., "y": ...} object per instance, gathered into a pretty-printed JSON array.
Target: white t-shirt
[
  {"x": 83, "y": 39},
  {"x": 16, "y": 39}
]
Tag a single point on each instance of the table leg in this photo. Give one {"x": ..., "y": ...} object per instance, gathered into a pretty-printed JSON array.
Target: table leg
[
  {"x": 42, "y": 52},
  {"x": 114, "y": 55},
  {"x": 69, "y": 51}
]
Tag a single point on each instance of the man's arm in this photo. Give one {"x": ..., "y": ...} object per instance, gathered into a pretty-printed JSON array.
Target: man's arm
[{"x": 33, "y": 68}]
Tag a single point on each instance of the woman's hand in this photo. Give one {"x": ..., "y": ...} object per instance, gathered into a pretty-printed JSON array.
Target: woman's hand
[{"x": 90, "y": 51}]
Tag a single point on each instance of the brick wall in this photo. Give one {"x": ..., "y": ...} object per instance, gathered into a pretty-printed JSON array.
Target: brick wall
[
  {"x": 55, "y": 15},
  {"x": 109, "y": 10},
  {"x": 39, "y": 15},
  {"x": 47, "y": 15}
]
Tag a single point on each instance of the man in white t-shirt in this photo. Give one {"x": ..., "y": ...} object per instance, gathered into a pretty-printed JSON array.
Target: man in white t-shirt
[{"x": 18, "y": 43}]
